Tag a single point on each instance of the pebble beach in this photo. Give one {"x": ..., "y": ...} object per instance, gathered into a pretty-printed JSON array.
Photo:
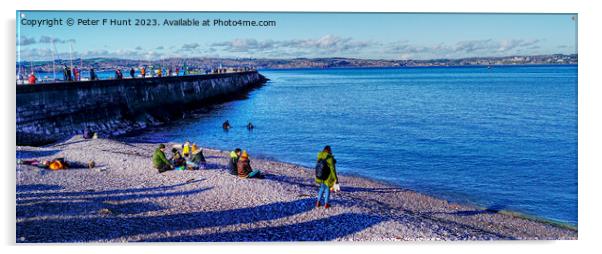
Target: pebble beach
[{"x": 124, "y": 199}]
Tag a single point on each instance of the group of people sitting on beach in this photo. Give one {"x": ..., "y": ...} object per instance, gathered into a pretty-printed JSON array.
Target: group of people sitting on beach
[
  {"x": 239, "y": 165},
  {"x": 191, "y": 158}
]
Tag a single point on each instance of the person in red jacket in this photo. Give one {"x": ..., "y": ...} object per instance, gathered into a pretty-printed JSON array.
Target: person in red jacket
[{"x": 32, "y": 78}]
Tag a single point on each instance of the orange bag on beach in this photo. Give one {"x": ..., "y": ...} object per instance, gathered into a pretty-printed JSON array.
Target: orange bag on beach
[{"x": 56, "y": 165}]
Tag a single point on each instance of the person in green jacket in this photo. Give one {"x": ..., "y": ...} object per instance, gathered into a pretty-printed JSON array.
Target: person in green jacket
[
  {"x": 160, "y": 162},
  {"x": 325, "y": 185},
  {"x": 233, "y": 161}
]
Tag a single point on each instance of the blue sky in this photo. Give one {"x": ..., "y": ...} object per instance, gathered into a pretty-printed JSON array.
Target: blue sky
[{"x": 369, "y": 36}]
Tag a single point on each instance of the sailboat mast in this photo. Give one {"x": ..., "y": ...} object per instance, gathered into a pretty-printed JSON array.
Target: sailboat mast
[
  {"x": 71, "y": 54},
  {"x": 20, "y": 72},
  {"x": 53, "y": 61}
]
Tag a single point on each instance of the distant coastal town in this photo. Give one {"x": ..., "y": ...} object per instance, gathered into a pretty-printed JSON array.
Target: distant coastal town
[{"x": 203, "y": 64}]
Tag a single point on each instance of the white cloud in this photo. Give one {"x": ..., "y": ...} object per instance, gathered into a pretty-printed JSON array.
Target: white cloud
[
  {"x": 48, "y": 39},
  {"x": 190, "y": 47},
  {"x": 467, "y": 48},
  {"x": 35, "y": 54},
  {"x": 335, "y": 46},
  {"x": 24, "y": 41},
  {"x": 507, "y": 45},
  {"x": 328, "y": 44},
  {"x": 325, "y": 46}
]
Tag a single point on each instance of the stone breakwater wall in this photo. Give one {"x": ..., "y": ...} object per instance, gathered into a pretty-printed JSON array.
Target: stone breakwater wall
[{"x": 47, "y": 113}]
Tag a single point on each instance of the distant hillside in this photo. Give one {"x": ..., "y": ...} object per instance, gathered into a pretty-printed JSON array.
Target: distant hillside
[{"x": 199, "y": 63}]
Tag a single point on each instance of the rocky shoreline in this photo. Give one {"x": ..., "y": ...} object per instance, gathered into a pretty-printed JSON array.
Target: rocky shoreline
[{"x": 123, "y": 199}]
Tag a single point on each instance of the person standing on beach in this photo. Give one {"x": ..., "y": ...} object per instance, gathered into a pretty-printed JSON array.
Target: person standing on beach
[
  {"x": 143, "y": 72},
  {"x": 160, "y": 162},
  {"x": 233, "y": 161},
  {"x": 132, "y": 72},
  {"x": 328, "y": 177}
]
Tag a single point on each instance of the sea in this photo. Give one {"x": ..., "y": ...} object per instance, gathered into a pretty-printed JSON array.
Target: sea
[{"x": 502, "y": 138}]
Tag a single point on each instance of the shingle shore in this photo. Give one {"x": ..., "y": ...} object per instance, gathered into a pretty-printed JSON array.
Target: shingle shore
[{"x": 124, "y": 199}]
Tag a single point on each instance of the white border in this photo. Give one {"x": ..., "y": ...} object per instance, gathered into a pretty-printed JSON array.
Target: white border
[{"x": 589, "y": 98}]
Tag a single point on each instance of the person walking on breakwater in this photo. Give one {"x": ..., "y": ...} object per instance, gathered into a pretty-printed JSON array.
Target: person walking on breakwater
[
  {"x": 160, "y": 162},
  {"x": 32, "y": 78},
  {"x": 93, "y": 74},
  {"x": 132, "y": 72},
  {"x": 326, "y": 175},
  {"x": 233, "y": 161},
  {"x": 244, "y": 167},
  {"x": 67, "y": 73},
  {"x": 118, "y": 74},
  {"x": 226, "y": 125},
  {"x": 143, "y": 72},
  {"x": 76, "y": 73}
]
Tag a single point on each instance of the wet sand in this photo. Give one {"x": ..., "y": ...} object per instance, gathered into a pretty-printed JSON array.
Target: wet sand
[{"x": 124, "y": 199}]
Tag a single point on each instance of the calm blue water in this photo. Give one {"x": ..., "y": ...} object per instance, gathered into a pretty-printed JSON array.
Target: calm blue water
[{"x": 504, "y": 138}]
